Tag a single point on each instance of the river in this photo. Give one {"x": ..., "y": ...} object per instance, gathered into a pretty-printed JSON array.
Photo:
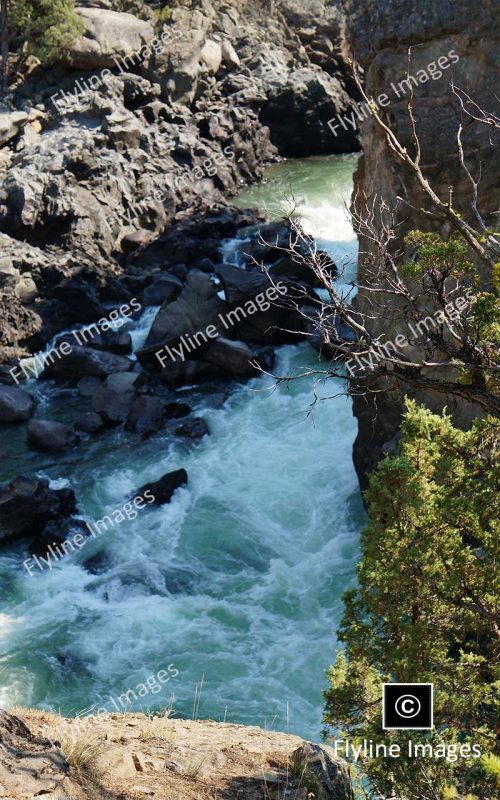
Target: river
[{"x": 238, "y": 582}]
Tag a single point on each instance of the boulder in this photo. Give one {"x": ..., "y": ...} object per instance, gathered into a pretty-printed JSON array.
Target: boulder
[
  {"x": 179, "y": 373},
  {"x": 78, "y": 302},
  {"x": 109, "y": 35},
  {"x": 230, "y": 57},
  {"x": 88, "y": 386},
  {"x": 163, "y": 489},
  {"x": 113, "y": 341},
  {"x": 211, "y": 55},
  {"x": 44, "y": 434},
  {"x": 113, "y": 405},
  {"x": 83, "y": 361},
  {"x": 177, "y": 410},
  {"x": 122, "y": 381},
  {"x": 164, "y": 289},
  {"x": 10, "y": 125},
  {"x": 91, "y": 422},
  {"x": 55, "y": 532},
  {"x": 27, "y": 504},
  {"x": 330, "y": 772},
  {"x": 146, "y": 415},
  {"x": 195, "y": 428},
  {"x": 233, "y": 357},
  {"x": 15, "y": 404},
  {"x": 195, "y": 308}
]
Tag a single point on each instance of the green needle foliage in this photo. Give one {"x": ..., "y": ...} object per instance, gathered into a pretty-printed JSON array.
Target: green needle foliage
[
  {"x": 426, "y": 609},
  {"x": 40, "y": 28}
]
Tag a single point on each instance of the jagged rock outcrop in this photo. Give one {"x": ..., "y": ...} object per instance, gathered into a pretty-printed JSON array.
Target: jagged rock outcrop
[
  {"x": 133, "y": 755},
  {"x": 379, "y": 36}
]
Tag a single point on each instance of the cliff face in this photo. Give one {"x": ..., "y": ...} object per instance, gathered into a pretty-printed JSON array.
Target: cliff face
[
  {"x": 466, "y": 39},
  {"x": 132, "y": 756}
]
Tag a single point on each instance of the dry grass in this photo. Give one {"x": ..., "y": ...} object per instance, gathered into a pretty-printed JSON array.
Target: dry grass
[
  {"x": 158, "y": 726},
  {"x": 82, "y": 751}
]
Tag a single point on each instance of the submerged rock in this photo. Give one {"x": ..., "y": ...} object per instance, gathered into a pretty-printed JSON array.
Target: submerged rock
[
  {"x": 163, "y": 489},
  {"x": 195, "y": 428}
]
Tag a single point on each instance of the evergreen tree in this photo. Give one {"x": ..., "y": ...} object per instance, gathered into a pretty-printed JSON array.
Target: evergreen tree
[
  {"x": 426, "y": 609},
  {"x": 41, "y": 28}
]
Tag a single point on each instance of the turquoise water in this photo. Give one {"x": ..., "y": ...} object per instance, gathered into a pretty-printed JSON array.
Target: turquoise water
[{"x": 238, "y": 581}]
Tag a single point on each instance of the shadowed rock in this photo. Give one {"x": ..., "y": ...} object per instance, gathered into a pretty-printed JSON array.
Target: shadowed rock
[
  {"x": 44, "y": 434},
  {"x": 15, "y": 404},
  {"x": 163, "y": 489},
  {"x": 27, "y": 504}
]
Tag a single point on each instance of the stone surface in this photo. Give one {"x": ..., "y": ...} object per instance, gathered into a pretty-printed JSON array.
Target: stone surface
[
  {"x": 16, "y": 405},
  {"x": 27, "y": 504},
  {"x": 163, "y": 489},
  {"x": 86, "y": 361},
  {"x": 146, "y": 415},
  {"x": 195, "y": 428},
  {"x": 380, "y": 36},
  {"x": 45, "y": 434},
  {"x": 229, "y": 761},
  {"x": 109, "y": 35}
]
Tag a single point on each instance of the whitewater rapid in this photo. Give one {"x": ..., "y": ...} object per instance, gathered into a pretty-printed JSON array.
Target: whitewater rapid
[{"x": 238, "y": 581}]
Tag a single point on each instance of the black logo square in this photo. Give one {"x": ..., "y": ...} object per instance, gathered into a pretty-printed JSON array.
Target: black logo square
[{"x": 407, "y": 706}]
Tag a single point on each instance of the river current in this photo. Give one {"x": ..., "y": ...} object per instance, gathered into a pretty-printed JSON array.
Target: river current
[{"x": 238, "y": 582}]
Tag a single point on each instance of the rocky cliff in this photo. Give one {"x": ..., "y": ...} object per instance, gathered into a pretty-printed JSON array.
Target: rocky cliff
[
  {"x": 140, "y": 126},
  {"x": 378, "y": 37},
  {"x": 132, "y": 756}
]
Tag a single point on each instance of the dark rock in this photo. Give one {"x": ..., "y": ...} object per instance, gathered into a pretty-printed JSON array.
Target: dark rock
[
  {"x": 134, "y": 241},
  {"x": 146, "y": 415},
  {"x": 83, "y": 361},
  {"x": 15, "y": 404},
  {"x": 179, "y": 373},
  {"x": 98, "y": 563},
  {"x": 113, "y": 406},
  {"x": 177, "y": 410},
  {"x": 89, "y": 423},
  {"x": 44, "y": 434},
  {"x": 195, "y": 428},
  {"x": 179, "y": 271},
  {"x": 122, "y": 381},
  {"x": 88, "y": 386},
  {"x": 27, "y": 504},
  {"x": 196, "y": 307},
  {"x": 163, "y": 489},
  {"x": 206, "y": 265},
  {"x": 233, "y": 357},
  {"x": 113, "y": 341},
  {"x": 56, "y": 532},
  {"x": 164, "y": 289},
  {"x": 79, "y": 302}
]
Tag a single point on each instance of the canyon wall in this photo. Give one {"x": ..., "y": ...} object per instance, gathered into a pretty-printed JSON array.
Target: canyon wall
[{"x": 378, "y": 36}]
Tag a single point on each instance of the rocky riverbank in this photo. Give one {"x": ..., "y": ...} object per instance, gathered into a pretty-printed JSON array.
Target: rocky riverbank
[
  {"x": 93, "y": 170},
  {"x": 132, "y": 756}
]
